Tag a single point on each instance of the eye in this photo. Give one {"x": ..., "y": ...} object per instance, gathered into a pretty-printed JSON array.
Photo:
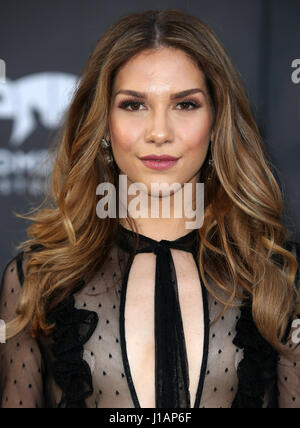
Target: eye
[
  {"x": 128, "y": 103},
  {"x": 189, "y": 103},
  {"x": 136, "y": 104}
]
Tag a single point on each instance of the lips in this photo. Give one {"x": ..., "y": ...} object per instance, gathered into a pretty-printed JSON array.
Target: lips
[
  {"x": 159, "y": 158},
  {"x": 159, "y": 163}
]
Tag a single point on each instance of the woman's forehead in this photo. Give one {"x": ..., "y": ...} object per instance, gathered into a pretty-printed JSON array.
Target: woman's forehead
[{"x": 163, "y": 70}]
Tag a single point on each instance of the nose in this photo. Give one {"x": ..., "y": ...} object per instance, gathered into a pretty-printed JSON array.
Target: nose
[{"x": 159, "y": 128}]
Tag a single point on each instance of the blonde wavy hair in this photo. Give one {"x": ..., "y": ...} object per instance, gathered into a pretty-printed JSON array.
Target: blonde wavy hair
[{"x": 242, "y": 232}]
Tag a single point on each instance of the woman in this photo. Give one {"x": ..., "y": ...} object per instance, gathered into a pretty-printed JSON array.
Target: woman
[{"x": 145, "y": 312}]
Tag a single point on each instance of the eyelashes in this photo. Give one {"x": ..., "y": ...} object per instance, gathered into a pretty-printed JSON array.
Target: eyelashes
[{"x": 126, "y": 103}]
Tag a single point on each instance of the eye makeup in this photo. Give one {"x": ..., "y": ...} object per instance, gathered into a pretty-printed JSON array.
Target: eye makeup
[{"x": 130, "y": 102}]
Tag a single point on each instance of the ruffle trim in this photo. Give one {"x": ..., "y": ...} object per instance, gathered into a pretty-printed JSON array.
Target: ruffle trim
[
  {"x": 73, "y": 328},
  {"x": 258, "y": 368},
  {"x": 257, "y": 372}
]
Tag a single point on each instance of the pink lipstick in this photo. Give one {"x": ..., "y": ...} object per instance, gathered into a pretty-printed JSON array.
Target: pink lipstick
[{"x": 159, "y": 162}]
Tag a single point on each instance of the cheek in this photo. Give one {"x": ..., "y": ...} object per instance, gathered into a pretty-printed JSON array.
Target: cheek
[
  {"x": 196, "y": 132},
  {"x": 196, "y": 139},
  {"x": 123, "y": 134}
]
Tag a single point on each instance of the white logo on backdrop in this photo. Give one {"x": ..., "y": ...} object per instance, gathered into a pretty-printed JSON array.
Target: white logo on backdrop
[{"x": 47, "y": 95}]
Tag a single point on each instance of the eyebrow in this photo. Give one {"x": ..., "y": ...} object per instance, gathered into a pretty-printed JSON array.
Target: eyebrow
[{"x": 173, "y": 96}]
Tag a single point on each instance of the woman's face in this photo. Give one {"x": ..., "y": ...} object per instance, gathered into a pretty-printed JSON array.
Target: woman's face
[{"x": 153, "y": 121}]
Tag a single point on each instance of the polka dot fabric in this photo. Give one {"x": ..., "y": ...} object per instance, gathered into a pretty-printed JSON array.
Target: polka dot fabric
[
  {"x": 21, "y": 384},
  {"x": 27, "y": 375}
]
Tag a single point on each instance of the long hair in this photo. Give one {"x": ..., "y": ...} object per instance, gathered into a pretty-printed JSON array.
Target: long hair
[{"x": 242, "y": 233}]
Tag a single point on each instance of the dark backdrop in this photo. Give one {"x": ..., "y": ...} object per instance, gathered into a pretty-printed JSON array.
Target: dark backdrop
[{"x": 46, "y": 44}]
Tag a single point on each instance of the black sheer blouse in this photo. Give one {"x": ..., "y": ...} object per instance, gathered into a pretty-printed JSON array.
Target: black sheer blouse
[{"x": 146, "y": 341}]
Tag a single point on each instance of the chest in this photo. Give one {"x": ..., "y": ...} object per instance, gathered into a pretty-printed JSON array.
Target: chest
[{"x": 139, "y": 322}]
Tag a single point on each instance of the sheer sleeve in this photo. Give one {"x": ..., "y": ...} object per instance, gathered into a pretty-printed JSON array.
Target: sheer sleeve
[
  {"x": 289, "y": 369},
  {"x": 20, "y": 358}
]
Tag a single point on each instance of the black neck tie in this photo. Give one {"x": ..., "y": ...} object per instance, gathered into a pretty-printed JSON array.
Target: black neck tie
[{"x": 171, "y": 365}]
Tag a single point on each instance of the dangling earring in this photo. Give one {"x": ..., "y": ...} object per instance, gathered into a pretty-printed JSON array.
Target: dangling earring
[
  {"x": 211, "y": 164},
  {"x": 106, "y": 147}
]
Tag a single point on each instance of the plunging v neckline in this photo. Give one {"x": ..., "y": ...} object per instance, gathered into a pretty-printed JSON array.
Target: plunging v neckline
[{"x": 129, "y": 235}]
